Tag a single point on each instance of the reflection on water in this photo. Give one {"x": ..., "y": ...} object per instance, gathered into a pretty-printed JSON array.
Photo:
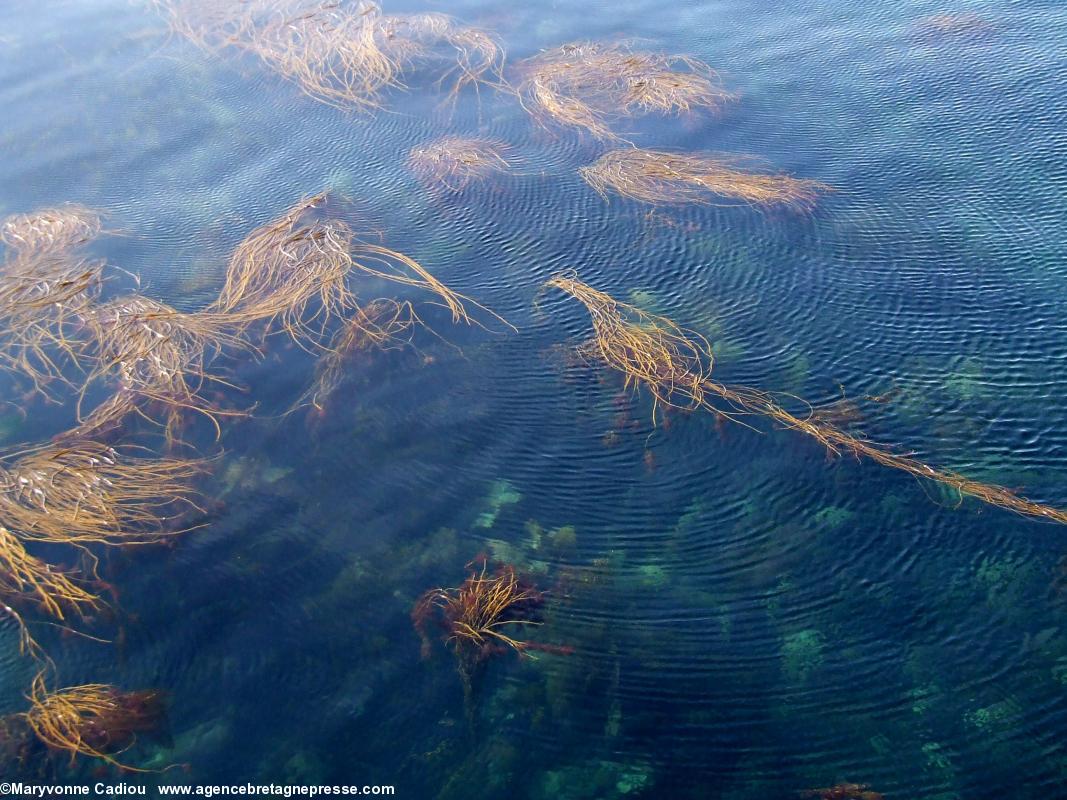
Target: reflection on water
[{"x": 702, "y": 609}]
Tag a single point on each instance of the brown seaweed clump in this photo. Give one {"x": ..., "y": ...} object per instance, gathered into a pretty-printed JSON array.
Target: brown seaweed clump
[
  {"x": 378, "y": 325},
  {"x": 654, "y": 176},
  {"x": 158, "y": 357},
  {"x": 27, "y": 580},
  {"x": 453, "y": 162},
  {"x": 94, "y": 720},
  {"x": 480, "y": 617},
  {"x": 81, "y": 491},
  {"x": 295, "y": 273},
  {"x": 588, "y": 86},
  {"x": 50, "y": 230},
  {"x": 344, "y": 54},
  {"x": 45, "y": 288},
  {"x": 675, "y": 365}
]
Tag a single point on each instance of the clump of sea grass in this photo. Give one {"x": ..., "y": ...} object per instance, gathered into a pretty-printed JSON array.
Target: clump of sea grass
[
  {"x": 42, "y": 301},
  {"x": 344, "y": 54},
  {"x": 156, "y": 356},
  {"x": 469, "y": 56},
  {"x": 647, "y": 349},
  {"x": 654, "y": 176},
  {"x": 44, "y": 289},
  {"x": 81, "y": 491},
  {"x": 479, "y": 618},
  {"x": 588, "y": 85},
  {"x": 675, "y": 365},
  {"x": 28, "y": 580},
  {"x": 50, "y": 229},
  {"x": 455, "y": 161},
  {"x": 26, "y": 577},
  {"x": 378, "y": 325},
  {"x": 295, "y": 272},
  {"x": 94, "y": 720}
]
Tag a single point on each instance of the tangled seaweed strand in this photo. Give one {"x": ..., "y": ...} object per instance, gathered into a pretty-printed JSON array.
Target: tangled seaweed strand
[
  {"x": 26, "y": 576},
  {"x": 282, "y": 268},
  {"x": 588, "y": 85},
  {"x": 472, "y": 56},
  {"x": 94, "y": 720},
  {"x": 380, "y": 324},
  {"x": 44, "y": 291},
  {"x": 455, "y": 161},
  {"x": 158, "y": 356},
  {"x": 50, "y": 230},
  {"x": 81, "y": 491},
  {"x": 675, "y": 365},
  {"x": 344, "y": 54},
  {"x": 295, "y": 271},
  {"x": 26, "y": 579},
  {"x": 653, "y": 176},
  {"x": 476, "y": 615}
]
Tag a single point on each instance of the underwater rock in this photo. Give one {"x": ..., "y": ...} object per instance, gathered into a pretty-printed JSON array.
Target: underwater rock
[
  {"x": 652, "y": 576},
  {"x": 833, "y": 517},
  {"x": 597, "y": 780},
  {"x": 501, "y": 494},
  {"x": 802, "y": 654},
  {"x": 564, "y": 538},
  {"x": 995, "y": 715}
]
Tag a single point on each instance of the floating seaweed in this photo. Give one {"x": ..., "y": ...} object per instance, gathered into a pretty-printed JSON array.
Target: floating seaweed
[
  {"x": 157, "y": 356},
  {"x": 470, "y": 56},
  {"x": 344, "y": 54},
  {"x": 675, "y": 365},
  {"x": 295, "y": 271},
  {"x": 455, "y": 161},
  {"x": 26, "y": 579},
  {"x": 23, "y": 576},
  {"x": 479, "y": 619},
  {"x": 588, "y": 85},
  {"x": 282, "y": 268},
  {"x": 81, "y": 491},
  {"x": 379, "y": 325},
  {"x": 654, "y": 176},
  {"x": 44, "y": 290},
  {"x": 50, "y": 230},
  {"x": 94, "y": 720}
]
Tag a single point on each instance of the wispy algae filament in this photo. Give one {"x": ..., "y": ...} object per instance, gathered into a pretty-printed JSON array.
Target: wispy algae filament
[
  {"x": 45, "y": 288},
  {"x": 295, "y": 271},
  {"x": 380, "y": 325},
  {"x": 155, "y": 354},
  {"x": 50, "y": 229},
  {"x": 588, "y": 85},
  {"x": 675, "y": 365},
  {"x": 94, "y": 720},
  {"x": 84, "y": 491},
  {"x": 653, "y": 176}
]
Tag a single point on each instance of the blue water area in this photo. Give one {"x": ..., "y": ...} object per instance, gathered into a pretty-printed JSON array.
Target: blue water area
[{"x": 732, "y": 612}]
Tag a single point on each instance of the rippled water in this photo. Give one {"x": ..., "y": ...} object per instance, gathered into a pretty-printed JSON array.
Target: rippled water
[{"x": 748, "y": 619}]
